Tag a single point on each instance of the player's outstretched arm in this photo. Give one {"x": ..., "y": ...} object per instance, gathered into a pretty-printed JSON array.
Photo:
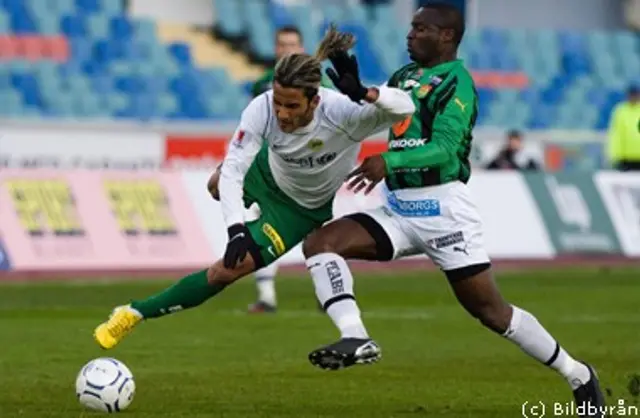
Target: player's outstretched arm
[
  {"x": 243, "y": 148},
  {"x": 383, "y": 106}
]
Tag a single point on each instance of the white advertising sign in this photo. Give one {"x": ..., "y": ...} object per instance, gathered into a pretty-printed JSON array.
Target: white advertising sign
[
  {"x": 621, "y": 195},
  {"x": 513, "y": 226},
  {"x": 92, "y": 149},
  {"x": 512, "y": 223}
]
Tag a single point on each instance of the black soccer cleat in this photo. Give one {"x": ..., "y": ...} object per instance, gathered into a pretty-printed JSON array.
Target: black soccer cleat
[
  {"x": 589, "y": 397},
  {"x": 346, "y": 353}
]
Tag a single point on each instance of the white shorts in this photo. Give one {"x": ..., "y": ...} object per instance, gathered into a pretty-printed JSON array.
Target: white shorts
[{"x": 441, "y": 222}]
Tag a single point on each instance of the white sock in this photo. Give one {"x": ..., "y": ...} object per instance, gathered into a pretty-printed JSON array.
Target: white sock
[
  {"x": 533, "y": 339},
  {"x": 334, "y": 284},
  {"x": 266, "y": 284}
]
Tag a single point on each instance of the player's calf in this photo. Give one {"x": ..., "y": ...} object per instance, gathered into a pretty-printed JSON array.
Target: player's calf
[
  {"x": 325, "y": 251},
  {"x": 481, "y": 298},
  {"x": 477, "y": 293}
]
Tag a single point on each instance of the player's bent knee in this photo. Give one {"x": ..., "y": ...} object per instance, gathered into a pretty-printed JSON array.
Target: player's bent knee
[
  {"x": 467, "y": 272},
  {"x": 319, "y": 242}
]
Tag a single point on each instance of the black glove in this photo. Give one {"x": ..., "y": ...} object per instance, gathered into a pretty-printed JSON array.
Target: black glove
[
  {"x": 346, "y": 77},
  {"x": 240, "y": 241}
]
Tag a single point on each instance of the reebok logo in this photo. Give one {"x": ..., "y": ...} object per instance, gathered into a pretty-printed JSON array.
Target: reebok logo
[
  {"x": 335, "y": 277},
  {"x": 407, "y": 143}
]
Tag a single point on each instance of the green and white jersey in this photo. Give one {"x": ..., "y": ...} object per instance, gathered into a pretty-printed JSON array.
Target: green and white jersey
[
  {"x": 432, "y": 146},
  {"x": 310, "y": 164}
]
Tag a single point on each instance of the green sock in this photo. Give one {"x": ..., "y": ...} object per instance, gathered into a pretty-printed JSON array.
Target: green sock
[{"x": 188, "y": 292}]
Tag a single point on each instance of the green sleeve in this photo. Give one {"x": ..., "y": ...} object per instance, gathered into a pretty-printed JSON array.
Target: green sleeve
[
  {"x": 256, "y": 89},
  {"x": 260, "y": 86},
  {"x": 450, "y": 128}
]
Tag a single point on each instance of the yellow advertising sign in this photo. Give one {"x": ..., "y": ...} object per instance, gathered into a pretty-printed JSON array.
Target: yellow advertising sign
[
  {"x": 140, "y": 207},
  {"x": 45, "y": 206}
]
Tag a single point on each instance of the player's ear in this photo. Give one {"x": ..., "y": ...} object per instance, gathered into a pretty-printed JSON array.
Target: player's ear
[
  {"x": 315, "y": 101},
  {"x": 447, "y": 35}
]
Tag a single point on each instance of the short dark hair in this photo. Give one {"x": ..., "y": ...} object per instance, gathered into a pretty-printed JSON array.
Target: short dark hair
[
  {"x": 452, "y": 18},
  {"x": 289, "y": 29},
  {"x": 514, "y": 133}
]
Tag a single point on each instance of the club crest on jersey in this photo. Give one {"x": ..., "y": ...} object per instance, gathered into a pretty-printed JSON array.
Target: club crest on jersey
[
  {"x": 238, "y": 140},
  {"x": 315, "y": 144},
  {"x": 426, "y": 89},
  {"x": 423, "y": 91}
]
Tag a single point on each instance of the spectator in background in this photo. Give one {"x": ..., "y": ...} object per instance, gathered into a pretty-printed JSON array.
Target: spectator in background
[
  {"x": 508, "y": 159},
  {"x": 624, "y": 133},
  {"x": 288, "y": 41}
]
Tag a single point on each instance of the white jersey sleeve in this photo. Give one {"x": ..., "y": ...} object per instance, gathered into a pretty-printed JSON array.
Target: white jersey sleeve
[
  {"x": 361, "y": 121},
  {"x": 243, "y": 148}
]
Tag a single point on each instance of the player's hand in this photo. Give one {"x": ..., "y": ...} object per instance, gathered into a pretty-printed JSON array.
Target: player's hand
[
  {"x": 345, "y": 75},
  {"x": 372, "y": 170},
  {"x": 238, "y": 246},
  {"x": 212, "y": 184}
]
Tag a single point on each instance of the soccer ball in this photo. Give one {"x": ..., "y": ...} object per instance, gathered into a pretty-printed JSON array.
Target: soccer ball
[{"x": 105, "y": 384}]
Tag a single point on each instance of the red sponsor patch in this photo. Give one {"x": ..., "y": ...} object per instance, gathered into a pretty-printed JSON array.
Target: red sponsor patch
[{"x": 240, "y": 136}]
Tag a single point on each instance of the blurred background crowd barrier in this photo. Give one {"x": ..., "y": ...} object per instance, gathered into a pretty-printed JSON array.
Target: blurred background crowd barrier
[{"x": 109, "y": 85}]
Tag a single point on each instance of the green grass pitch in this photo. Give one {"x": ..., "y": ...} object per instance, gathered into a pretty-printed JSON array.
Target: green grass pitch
[{"x": 217, "y": 361}]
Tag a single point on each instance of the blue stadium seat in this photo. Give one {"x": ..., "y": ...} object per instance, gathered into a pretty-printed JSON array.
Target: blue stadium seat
[
  {"x": 98, "y": 27},
  {"x": 121, "y": 28},
  {"x": 21, "y": 20},
  {"x": 144, "y": 31},
  {"x": 229, "y": 18},
  {"x": 118, "y": 67},
  {"x": 87, "y": 7},
  {"x": 280, "y": 15},
  {"x": 73, "y": 27},
  {"x": 112, "y": 8},
  {"x": 181, "y": 53},
  {"x": 61, "y": 7}
]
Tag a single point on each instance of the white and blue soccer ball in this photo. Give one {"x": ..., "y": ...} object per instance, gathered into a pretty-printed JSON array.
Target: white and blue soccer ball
[{"x": 105, "y": 384}]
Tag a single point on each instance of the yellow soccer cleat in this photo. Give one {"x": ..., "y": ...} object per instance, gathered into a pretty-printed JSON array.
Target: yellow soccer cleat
[{"x": 120, "y": 323}]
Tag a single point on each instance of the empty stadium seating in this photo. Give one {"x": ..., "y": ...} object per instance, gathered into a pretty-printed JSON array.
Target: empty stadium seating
[{"x": 88, "y": 59}]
